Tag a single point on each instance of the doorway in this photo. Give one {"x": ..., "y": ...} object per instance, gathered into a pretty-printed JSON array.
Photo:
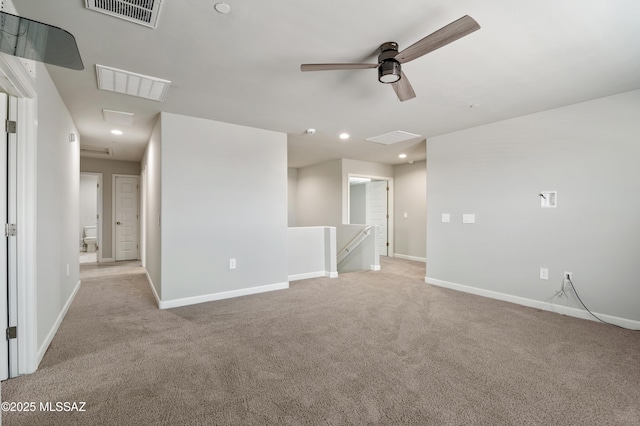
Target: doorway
[
  {"x": 9, "y": 250},
  {"x": 370, "y": 203},
  {"x": 90, "y": 227},
  {"x": 126, "y": 217}
]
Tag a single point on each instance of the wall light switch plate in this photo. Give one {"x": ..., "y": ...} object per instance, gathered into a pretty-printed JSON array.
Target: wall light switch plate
[
  {"x": 446, "y": 217},
  {"x": 548, "y": 199},
  {"x": 544, "y": 273},
  {"x": 232, "y": 264},
  {"x": 468, "y": 218}
]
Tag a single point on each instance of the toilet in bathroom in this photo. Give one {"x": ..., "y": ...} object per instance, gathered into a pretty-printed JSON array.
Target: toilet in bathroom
[{"x": 90, "y": 238}]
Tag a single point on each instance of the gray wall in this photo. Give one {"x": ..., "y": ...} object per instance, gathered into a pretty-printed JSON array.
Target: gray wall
[
  {"x": 57, "y": 207},
  {"x": 589, "y": 153},
  {"x": 319, "y": 195},
  {"x": 358, "y": 203},
  {"x": 292, "y": 195},
  {"x": 152, "y": 232},
  {"x": 224, "y": 195},
  {"x": 88, "y": 203},
  {"x": 411, "y": 197},
  {"x": 108, "y": 168}
]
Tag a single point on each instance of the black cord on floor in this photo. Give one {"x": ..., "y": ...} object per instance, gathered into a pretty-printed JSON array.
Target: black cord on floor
[{"x": 592, "y": 314}]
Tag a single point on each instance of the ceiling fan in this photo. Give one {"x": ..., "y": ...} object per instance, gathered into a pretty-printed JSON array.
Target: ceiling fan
[{"x": 390, "y": 60}]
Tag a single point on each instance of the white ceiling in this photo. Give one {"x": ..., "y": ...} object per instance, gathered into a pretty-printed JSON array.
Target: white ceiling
[{"x": 244, "y": 67}]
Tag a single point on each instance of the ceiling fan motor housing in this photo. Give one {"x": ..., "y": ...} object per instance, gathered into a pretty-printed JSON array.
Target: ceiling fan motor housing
[{"x": 389, "y": 70}]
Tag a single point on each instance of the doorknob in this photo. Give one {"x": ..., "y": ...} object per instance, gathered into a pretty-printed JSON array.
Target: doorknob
[{"x": 117, "y": 223}]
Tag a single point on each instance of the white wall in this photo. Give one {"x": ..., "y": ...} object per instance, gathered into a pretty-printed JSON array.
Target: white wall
[
  {"x": 410, "y": 197},
  {"x": 319, "y": 195},
  {"x": 589, "y": 153},
  {"x": 57, "y": 212},
  {"x": 151, "y": 163},
  {"x": 224, "y": 195},
  {"x": 88, "y": 203}
]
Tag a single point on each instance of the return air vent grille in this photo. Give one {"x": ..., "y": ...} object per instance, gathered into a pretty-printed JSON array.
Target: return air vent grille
[
  {"x": 130, "y": 83},
  {"x": 143, "y": 12},
  {"x": 393, "y": 137},
  {"x": 95, "y": 151}
]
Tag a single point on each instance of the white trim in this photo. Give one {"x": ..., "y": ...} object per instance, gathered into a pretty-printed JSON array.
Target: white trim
[
  {"x": 47, "y": 340},
  {"x": 19, "y": 82},
  {"x": 414, "y": 258},
  {"x": 153, "y": 288},
  {"x": 375, "y": 267},
  {"x": 100, "y": 213},
  {"x": 185, "y": 301},
  {"x": 538, "y": 304},
  {"x": 27, "y": 180},
  {"x": 307, "y": 275},
  {"x": 346, "y": 219}
]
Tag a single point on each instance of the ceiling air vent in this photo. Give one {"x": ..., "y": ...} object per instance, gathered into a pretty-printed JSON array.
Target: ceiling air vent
[
  {"x": 393, "y": 137},
  {"x": 143, "y": 12},
  {"x": 91, "y": 151}
]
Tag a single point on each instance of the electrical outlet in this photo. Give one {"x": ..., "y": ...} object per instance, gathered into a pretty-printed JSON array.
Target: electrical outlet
[
  {"x": 232, "y": 263},
  {"x": 567, "y": 279}
]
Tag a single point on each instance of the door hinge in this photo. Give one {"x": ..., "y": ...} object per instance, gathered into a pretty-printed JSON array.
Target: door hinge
[
  {"x": 11, "y": 126},
  {"x": 12, "y": 332},
  {"x": 387, "y": 216},
  {"x": 387, "y": 188},
  {"x": 10, "y": 230},
  {"x": 387, "y": 244},
  {"x": 98, "y": 185}
]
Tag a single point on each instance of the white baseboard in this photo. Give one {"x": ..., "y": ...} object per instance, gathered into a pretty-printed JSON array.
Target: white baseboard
[
  {"x": 532, "y": 303},
  {"x": 317, "y": 274},
  {"x": 375, "y": 267},
  {"x": 153, "y": 288},
  {"x": 407, "y": 257},
  {"x": 47, "y": 340},
  {"x": 166, "y": 304}
]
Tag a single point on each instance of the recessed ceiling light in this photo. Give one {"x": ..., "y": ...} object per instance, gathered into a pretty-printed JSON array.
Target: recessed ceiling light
[
  {"x": 310, "y": 131},
  {"x": 344, "y": 136},
  {"x": 116, "y": 132},
  {"x": 402, "y": 156},
  {"x": 222, "y": 8}
]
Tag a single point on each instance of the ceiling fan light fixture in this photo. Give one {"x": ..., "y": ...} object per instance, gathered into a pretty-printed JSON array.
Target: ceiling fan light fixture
[{"x": 389, "y": 71}]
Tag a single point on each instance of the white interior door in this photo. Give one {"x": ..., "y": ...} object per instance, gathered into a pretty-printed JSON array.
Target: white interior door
[
  {"x": 126, "y": 217},
  {"x": 377, "y": 213}
]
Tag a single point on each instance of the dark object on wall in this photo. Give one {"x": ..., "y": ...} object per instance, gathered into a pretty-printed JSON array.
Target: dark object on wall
[{"x": 40, "y": 42}]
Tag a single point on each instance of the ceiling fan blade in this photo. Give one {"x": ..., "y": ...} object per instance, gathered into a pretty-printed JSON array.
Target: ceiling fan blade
[
  {"x": 333, "y": 67},
  {"x": 403, "y": 88},
  {"x": 445, "y": 35}
]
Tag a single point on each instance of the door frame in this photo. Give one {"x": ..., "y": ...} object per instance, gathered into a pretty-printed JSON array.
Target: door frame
[
  {"x": 100, "y": 257},
  {"x": 18, "y": 81},
  {"x": 390, "y": 207},
  {"x": 113, "y": 213}
]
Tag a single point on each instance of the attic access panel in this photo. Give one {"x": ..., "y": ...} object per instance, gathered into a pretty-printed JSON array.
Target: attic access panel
[{"x": 37, "y": 41}]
